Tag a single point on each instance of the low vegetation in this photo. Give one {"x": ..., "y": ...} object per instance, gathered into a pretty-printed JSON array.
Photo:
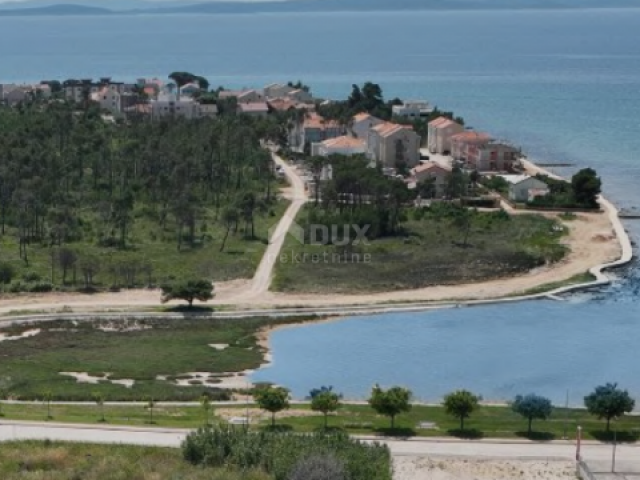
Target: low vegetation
[
  {"x": 153, "y": 353},
  {"x": 438, "y": 245},
  {"x": 65, "y": 461},
  {"x": 280, "y": 454}
]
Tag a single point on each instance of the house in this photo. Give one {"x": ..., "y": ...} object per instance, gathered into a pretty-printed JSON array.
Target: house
[
  {"x": 413, "y": 109},
  {"x": 463, "y": 145},
  {"x": 343, "y": 145},
  {"x": 439, "y": 133},
  {"x": 79, "y": 90},
  {"x": 109, "y": 99},
  {"x": 492, "y": 156},
  {"x": 209, "y": 110},
  {"x": 12, "y": 94},
  {"x": 300, "y": 95},
  {"x": 190, "y": 89},
  {"x": 277, "y": 90},
  {"x": 286, "y": 104},
  {"x": 393, "y": 145},
  {"x": 435, "y": 172},
  {"x": 362, "y": 123},
  {"x": 524, "y": 188},
  {"x": 253, "y": 109},
  {"x": 242, "y": 96},
  {"x": 314, "y": 129},
  {"x": 171, "y": 106}
]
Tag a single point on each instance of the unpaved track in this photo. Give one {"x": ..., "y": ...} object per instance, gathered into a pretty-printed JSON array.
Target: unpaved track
[{"x": 592, "y": 240}]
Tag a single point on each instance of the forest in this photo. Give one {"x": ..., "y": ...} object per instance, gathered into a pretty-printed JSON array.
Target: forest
[{"x": 90, "y": 203}]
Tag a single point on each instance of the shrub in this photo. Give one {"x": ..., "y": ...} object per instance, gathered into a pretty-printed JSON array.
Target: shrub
[
  {"x": 318, "y": 467},
  {"x": 7, "y": 272},
  {"x": 280, "y": 454}
]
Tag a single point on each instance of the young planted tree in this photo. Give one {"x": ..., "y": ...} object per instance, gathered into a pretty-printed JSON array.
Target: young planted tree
[
  {"x": 325, "y": 400},
  {"x": 273, "y": 400},
  {"x": 205, "y": 403},
  {"x": 532, "y": 407},
  {"x": 150, "y": 406},
  {"x": 47, "y": 397},
  {"x": 391, "y": 402},
  {"x": 188, "y": 290},
  {"x": 3, "y": 397},
  {"x": 461, "y": 404},
  {"x": 609, "y": 402},
  {"x": 98, "y": 397}
]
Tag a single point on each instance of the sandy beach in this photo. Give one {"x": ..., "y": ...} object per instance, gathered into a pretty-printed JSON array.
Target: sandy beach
[{"x": 447, "y": 468}]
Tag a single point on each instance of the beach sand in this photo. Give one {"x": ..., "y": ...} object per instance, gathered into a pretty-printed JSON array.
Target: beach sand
[{"x": 445, "y": 468}]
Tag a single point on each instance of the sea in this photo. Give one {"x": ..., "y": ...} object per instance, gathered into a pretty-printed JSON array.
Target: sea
[{"x": 564, "y": 85}]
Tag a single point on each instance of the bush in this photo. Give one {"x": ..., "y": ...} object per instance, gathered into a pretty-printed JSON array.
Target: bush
[
  {"x": 281, "y": 454},
  {"x": 40, "y": 287},
  {"x": 31, "y": 277},
  {"x": 7, "y": 272},
  {"x": 318, "y": 467}
]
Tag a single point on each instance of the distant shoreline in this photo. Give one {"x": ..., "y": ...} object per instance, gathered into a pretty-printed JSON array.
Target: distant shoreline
[{"x": 86, "y": 8}]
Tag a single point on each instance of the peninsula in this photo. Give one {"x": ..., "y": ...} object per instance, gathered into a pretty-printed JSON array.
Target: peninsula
[{"x": 118, "y": 189}]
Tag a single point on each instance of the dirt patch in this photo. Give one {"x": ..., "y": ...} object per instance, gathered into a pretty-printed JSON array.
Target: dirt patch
[
  {"x": 257, "y": 415},
  {"x": 26, "y": 334},
  {"x": 434, "y": 468}
]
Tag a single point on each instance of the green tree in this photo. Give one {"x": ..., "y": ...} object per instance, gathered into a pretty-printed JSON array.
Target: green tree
[
  {"x": 7, "y": 272},
  {"x": 47, "y": 396},
  {"x": 325, "y": 400},
  {"x": 205, "y": 403},
  {"x": 532, "y": 407},
  {"x": 608, "y": 402},
  {"x": 461, "y": 404},
  {"x": 98, "y": 397},
  {"x": 586, "y": 186},
  {"x": 273, "y": 400},
  {"x": 188, "y": 290},
  {"x": 150, "y": 405},
  {"x": 391, "y": 402}
]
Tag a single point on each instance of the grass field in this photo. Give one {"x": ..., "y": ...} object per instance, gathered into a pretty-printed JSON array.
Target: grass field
[
  {"x": 486, "y": 422},
  {"x": 139, "y": 350},
  {"x": 150, "y": 258},
  {"x": 75, "y": 461},
  {"x": 431, "y": 252}
]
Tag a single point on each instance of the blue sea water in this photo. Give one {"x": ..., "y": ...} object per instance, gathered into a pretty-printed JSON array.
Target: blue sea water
[{"x": 563, "y": 84}]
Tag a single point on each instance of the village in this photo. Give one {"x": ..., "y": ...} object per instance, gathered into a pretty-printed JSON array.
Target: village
[{"x": 393, "y": 145}]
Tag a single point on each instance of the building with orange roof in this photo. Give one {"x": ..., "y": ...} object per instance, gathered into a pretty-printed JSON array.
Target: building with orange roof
[
  {"x": 436, "y": 173},
  {"x": 362, "y": 123},
  {"x": 108, "y": 98},
  {"x": 343, "y": 145},
  {"x": 314, "y": 129},
  {"x": 464, "y": 143},
  {"x": 439, "y": 133},
  {"x": 393, "y": 145}
]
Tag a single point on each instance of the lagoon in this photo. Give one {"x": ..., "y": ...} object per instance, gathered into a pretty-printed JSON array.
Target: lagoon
[{"x": 563, "y": 84}]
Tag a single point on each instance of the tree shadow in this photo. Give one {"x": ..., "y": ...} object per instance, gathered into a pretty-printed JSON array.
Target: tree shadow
[
  {"x": 195, "y": 310},
  {"x": 468, "y": 434},
  {"x": 329, "y": 430},
  {"x": 537, "y": 436},
  {"x": 277, "y": 428},
  {"x": 400, "y": 432},
  {"x": 620, "y": 437}
]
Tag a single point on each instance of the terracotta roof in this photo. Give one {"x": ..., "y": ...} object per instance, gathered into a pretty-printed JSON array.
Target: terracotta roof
[
  {"x": 365, "y": 116},
  {"x": 442, "y": 122},
  {"x": 430, "y": 166},
  {"x": 313, "y": 120},
  {"x": 150, "y": 90},
  {"x": 386, "y": 129},
  {"x": 343, "y": 142},
  {"x": 253, "y": 107},
  {"x": 471, "y": 137}
]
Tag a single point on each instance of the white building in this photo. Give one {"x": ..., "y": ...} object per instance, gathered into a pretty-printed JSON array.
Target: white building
[
  {"x": 439, "y": 133},
  {"x": 412, "y": 109},
  {"x": 344, "y": 145},
  {"x": 277, "y": 90},
  {"x": 523, "y": 188},
  {"x": 362, "y": 123},
  {"x": 170, "y": 106},
  {"x": 109, "y": 99}
]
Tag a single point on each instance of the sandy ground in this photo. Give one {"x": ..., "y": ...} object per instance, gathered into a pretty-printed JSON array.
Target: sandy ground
[
  {"x": 591, "y": 239},
  {"x": 446, "y": 468}
]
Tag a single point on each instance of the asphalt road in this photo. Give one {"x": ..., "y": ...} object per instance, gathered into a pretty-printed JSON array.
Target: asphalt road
[{"x": 592, "y": 451}]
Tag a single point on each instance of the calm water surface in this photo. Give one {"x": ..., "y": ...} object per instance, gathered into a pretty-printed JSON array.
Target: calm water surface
[{"x": 564, "y": 85}]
